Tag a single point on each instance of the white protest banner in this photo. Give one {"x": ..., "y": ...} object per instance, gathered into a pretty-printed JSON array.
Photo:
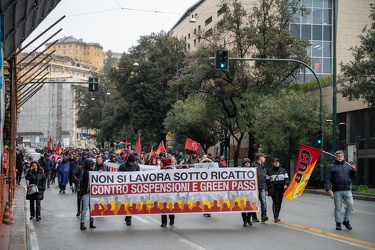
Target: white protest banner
[
  {"x": 206, "y": 165},
  {"x": 113, "y": 167},
  {"x": 213, "y": 190}
]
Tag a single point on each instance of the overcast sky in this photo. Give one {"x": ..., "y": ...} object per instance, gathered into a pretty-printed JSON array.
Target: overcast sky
[{"x": 114, "y": 24}]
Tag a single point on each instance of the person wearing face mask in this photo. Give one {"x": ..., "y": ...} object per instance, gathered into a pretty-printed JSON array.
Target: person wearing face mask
[
  {"x": 63, "y": 170},
  {"x": 35, "y": 175}
]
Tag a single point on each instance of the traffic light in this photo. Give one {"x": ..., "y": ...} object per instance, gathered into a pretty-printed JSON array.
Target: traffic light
[
  {"x": 221, "y": 59},
  {"x": 319, "y": 137},
  {"x": 93, "y": 84}
]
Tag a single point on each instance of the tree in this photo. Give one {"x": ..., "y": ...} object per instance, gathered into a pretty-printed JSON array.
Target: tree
[
  {"x": 361, "y": 71},
  {"x": 193, "y": 118},
  {"x": 263, "y": 33},
  {"x": 284, "y": 121},
  {"x": 145, "y": 87}
]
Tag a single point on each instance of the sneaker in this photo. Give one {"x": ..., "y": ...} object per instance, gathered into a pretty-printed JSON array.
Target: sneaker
[
  {"x": 78, "y": 214},
  {"x": 264, "y": 219},
  {"x": 256, "y": 220},
  {"x": 244, "y": 224},
  {"x": 277, "y": 220},
  {"x": 38, "y": 218},
  {"x": 32, "y": 217},
  {"x": 338, "y": 226},
  {"x": 163, "y": 225},
  {"x": 347, "y": 225},
  {"x": 171, "y": 222}
]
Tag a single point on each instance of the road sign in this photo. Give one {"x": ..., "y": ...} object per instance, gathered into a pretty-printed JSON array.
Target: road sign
[{"x": 169, "y": 134}]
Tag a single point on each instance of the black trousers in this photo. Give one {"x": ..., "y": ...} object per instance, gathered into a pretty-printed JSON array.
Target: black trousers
[
  {"x": 277, "y": 199},
  {"x": 19, "y": 176},
  {"x": 35, "y": 204},
  {"x": 246, "y": 217},
  {"x": 164, "y": 219},
  {"x": 79, "y": 204}
]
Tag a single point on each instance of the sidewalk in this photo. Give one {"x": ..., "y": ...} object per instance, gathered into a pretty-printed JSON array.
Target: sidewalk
[{"x": 14, "y": 236}]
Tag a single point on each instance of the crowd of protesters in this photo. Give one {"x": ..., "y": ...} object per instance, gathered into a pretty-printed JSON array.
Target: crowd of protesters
[{"x": 71, "y": 166}]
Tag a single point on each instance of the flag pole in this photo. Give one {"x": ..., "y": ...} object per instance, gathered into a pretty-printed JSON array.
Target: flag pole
[{"x": 334, "y": 156}]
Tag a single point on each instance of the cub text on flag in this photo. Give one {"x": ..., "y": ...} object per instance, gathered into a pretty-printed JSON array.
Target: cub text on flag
[{"x": 307, "y": 159}]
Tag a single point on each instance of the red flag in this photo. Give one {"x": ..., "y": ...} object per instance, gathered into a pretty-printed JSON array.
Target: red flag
[
  {"x": 152, "y": 152},
  {"x": 138, "y": 147},
  {"x": 161, "y": 147},
  {"x": 307, "y": 159},
  {"x": 59, "y": 148},
  {"x": 192, "y": 145},
  {"x": 50, "y": 144}
]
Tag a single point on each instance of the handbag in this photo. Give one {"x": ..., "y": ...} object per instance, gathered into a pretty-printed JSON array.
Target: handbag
[
  {"x": 271, "y": 187},
  {"x": 32, "y": 189}
]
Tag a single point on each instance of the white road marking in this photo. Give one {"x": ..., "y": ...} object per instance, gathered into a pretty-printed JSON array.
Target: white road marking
[{"x": 191, "y": 244}]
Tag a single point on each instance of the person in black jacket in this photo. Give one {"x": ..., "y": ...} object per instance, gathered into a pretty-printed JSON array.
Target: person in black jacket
[
  {"x": 338, "y": 184},
  {"x": 35, "y": 175},
  {"x": 88, "y": 165},
  {"x": 279, "y": 179},
  {"x": 260, "y": 158},
  {"x": 129, "y": 165},
  {"x": 19, "y": 167}
]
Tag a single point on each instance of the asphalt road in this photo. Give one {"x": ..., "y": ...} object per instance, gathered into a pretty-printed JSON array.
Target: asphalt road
[{"x": 307, "y": 223}]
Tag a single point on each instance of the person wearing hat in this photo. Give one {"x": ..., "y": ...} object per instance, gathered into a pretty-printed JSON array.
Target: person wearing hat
[
  {"x": 260, "y": 159},
  {"x": 277, "y": 178},
  {"x": 338, "y": 184},
  {"x": 129, "y": 165},
  {"x": 166, "y": 164},
  {"x": 246, "y": 217}
]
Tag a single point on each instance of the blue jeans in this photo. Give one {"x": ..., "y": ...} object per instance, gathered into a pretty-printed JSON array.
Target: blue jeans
[
  {"x": 339, "y": 197},
  {"x": 263, "y": 202},
  {"x": 85, "y": 206}
]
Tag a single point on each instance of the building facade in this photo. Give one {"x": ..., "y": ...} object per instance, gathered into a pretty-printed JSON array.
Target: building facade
[
  {"x": 79, "y": 51},
  {"x": 51, "y": 112}
]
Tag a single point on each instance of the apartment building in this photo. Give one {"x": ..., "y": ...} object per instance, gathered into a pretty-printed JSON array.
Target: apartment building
[{"x": 51, "y": 112}]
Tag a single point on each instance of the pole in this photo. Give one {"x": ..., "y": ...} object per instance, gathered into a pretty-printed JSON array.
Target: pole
[{"x": 334, "y": 73}]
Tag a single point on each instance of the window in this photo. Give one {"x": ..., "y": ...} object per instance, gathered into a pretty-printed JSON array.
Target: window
[
  {"x": 189, "y": 36},
  {"x": 208, "y": 21},
  {"x": 220, "y": 11}
]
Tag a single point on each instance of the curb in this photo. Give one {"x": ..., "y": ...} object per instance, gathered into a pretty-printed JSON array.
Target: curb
[
  {"x": 18, "y": 235},
  {"x": 356, "y": 195}
]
